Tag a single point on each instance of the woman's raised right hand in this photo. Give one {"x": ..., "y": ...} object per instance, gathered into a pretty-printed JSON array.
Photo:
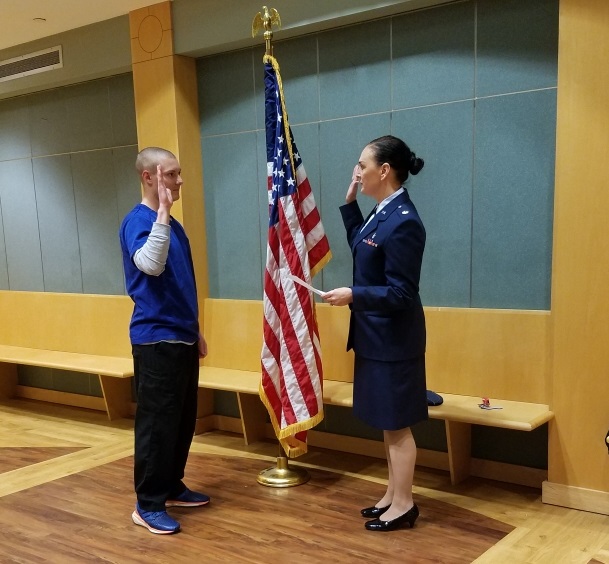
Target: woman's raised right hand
[{"x": 353, "y": 187}]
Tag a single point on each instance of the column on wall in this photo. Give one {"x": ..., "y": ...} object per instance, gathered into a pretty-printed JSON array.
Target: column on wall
[
  {"x": 578, "y": 473},
  {"x": 167, "y": 115}
]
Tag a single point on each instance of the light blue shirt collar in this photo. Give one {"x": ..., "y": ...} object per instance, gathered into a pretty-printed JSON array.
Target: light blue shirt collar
[{"x": 388, "y": 199}]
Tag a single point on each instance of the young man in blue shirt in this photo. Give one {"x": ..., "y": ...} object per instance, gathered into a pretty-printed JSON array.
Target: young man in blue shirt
[{"x": 166, "y": 342}]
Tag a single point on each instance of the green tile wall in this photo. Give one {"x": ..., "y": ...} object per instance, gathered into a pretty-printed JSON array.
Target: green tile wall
[
  {"x": 471, "y": 87},
  {"x": 66, "y": 180}
]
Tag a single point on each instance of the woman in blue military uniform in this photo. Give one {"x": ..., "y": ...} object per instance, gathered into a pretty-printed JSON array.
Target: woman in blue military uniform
[{"x": 387, "y": 326}]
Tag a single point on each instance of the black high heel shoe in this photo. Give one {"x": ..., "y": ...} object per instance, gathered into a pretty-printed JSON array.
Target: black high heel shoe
[
  {"x": 371, "y": 512},
  {"x": 409, "y": 517}
]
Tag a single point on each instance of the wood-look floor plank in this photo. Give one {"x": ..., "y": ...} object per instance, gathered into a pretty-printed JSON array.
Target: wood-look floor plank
[
  {"x": 48, "y": 470},
  {"x": 602, "y": 555},
  {"x": 245, "y": 522},
  {"x": 12, "y": 458},
  {"x": 76, "y": 507}
]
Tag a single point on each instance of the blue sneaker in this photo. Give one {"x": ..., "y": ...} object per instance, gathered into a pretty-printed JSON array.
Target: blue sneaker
[
  {"x": 188, "y": 498},
  {"x": 157, "y": 522}
]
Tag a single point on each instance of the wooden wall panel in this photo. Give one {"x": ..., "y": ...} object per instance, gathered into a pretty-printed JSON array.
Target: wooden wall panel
[
  {"x": 189, "y": 154},
  {"x": 580, "y": 304},
  {"x": 489, "y": 352},
  {"x": 81, "y": 323},
  {"x": 501, "y": 354},
  {"x": 233, "y": 331}
]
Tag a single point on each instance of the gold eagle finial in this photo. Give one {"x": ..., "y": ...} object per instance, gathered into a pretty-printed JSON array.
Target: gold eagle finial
[{"x": 266, "y": 19}]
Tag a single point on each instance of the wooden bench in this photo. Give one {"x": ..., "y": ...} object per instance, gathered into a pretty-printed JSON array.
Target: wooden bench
[
  {"x": 114, "y": 373},
  {"x": 458, "y": 412}
]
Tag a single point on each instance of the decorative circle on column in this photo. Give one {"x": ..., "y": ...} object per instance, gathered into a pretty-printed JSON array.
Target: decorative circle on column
[{"x": 150, "y": 34}]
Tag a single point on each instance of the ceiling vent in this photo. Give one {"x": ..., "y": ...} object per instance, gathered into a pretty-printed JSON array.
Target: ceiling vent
[{"x": 32, "y": 63}]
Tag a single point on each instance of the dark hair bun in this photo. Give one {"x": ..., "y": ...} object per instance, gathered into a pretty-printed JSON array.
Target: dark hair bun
[{"x": 416, "y": 164}]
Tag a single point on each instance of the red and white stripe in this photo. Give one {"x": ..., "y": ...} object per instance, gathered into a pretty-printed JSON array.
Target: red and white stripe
[{"x": 291, "y": 354}]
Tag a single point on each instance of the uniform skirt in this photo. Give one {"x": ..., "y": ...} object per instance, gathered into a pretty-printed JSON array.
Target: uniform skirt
[{"x": 390, "y": 395}]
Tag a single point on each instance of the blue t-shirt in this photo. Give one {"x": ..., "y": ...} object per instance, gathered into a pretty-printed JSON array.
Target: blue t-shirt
[{"x": 166, "y": 305}]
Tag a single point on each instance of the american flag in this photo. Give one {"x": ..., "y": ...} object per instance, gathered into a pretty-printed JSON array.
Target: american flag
[{"x": 292, "y": 375}]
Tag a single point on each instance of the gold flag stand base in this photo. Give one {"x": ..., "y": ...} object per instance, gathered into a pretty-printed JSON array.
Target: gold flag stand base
[{"x": 282, "y": 476}]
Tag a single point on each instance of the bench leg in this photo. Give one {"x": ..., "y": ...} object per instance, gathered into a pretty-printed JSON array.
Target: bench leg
[
  {"x": 459, "y": 441},
  {"x": 117, "y": 396},
  {"x": 205, "y": 411},
  {"x": 8, "y": 380},
  {"x": 253, "y": 417}
]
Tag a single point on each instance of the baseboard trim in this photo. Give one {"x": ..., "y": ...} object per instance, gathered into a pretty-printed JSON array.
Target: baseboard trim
[
  {"x": 64, "y": 398},
  {"x": 594, "y": 501},
  {"x": 510, "y": 473},
  {"x": 228, "y": 424},
  {"x": 500, "y": 471}
]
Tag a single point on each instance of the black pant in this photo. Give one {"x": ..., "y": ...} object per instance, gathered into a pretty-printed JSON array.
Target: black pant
[{"x": 166, "y": 382}]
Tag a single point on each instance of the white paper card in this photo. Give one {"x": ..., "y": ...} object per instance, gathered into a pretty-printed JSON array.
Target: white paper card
[{"x": 307, "y": 286}]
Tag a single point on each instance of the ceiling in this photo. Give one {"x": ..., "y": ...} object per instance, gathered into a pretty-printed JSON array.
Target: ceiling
[{"x": 18, "y": 24}]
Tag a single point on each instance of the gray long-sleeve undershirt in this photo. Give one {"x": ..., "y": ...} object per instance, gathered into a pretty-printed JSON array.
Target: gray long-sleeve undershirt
[{"x": 151, "y": 258}]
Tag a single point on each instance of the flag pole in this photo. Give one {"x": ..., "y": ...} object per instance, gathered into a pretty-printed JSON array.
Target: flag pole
[{"x": 281, "y": 475}]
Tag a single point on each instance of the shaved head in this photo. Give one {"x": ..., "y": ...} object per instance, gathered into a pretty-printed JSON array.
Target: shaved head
[{"x": 150, "y": 157}]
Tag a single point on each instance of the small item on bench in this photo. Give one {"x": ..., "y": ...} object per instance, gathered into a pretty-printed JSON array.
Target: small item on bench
[
  {"x": 433, "y": 398},
  {"x": 486, "y": 404}
]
